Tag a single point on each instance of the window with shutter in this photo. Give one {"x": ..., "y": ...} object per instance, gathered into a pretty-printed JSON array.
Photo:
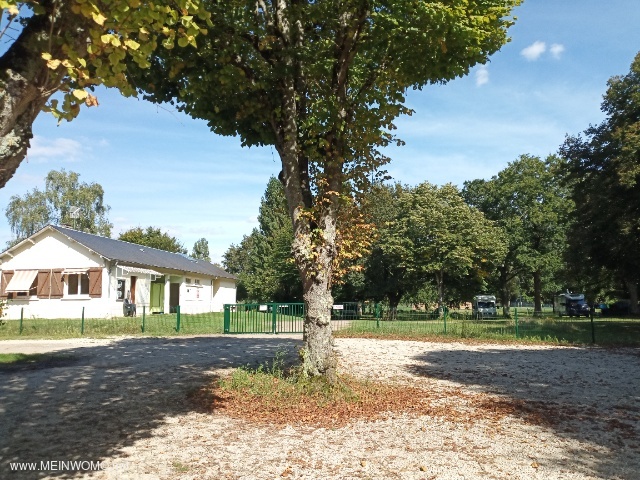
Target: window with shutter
[
  {"x": 56, "y": 284},
  {"x": 6, "y": 278},
  {"x": 44, "y": 283},
  {"x": 95, "y": 282}
]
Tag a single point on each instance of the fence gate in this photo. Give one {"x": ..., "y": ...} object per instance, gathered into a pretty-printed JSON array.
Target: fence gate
[{"x": 264, "y": 318}]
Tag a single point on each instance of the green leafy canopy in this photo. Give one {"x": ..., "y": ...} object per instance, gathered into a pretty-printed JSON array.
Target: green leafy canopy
[{"x": 34, "y": 210}]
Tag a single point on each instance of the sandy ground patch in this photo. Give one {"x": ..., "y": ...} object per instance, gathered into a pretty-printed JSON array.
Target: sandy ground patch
[{"x": 123, "y": 402}]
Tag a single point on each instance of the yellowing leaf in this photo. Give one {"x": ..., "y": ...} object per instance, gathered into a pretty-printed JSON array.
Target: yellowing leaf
[
  {"x": 132, "y": 44},
  {"x": 98, "y": 18},
  {"x": 53, "y": 64},
  {"x": 91, "y": 101},
  {"x": 46, "y": 56},
  {"x": 80, "y": 94}
]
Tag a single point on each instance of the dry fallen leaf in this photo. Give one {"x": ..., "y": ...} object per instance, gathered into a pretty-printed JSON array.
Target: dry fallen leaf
[
  {"x": 287, "y": 472},
  {"x": 535, "y": 465}
]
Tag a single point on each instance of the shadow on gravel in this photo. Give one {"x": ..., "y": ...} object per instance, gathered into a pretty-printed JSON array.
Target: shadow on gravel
[
  {"x": 581, "y": 393},
  {"x": 105, "y": 398}
]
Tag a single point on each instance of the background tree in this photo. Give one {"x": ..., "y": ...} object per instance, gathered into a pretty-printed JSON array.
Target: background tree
[
  {"x": 449, "y": 239},
  {"x": 429, "y": 239},
  {"x": 387, "y": 267},
  {"x": 29, "y": 213},
  {"x": 71, "y": 46},
  {"x": 153, "y": 237},
  {"x": 201, "y": 250},
  {"x": 241, "y": 261},
  {"x": 528, "y": 202},
  {"x": 603, "y": 173},
  {"x": 322, "y": 82},
  {"x": 263, "y": 260}
]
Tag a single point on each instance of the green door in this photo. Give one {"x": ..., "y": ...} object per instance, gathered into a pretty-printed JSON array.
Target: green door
[{"x": 157, "y": 297}]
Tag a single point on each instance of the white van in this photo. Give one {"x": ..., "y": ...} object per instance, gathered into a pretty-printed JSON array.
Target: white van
[{"x": 484, "y": 306}]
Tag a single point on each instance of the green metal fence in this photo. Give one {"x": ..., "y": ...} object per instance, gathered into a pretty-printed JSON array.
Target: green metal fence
[
  {"x": 85, "y": 324},
  {"x": 350, "y": 318},
  {"x": 354, "y": 318},
  {"x": 264, "y": 318}
]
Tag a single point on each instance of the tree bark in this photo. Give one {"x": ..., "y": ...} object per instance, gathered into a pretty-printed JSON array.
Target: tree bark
[
  {"x": 318, "y": 356},
  {"x": 314, "y": 243},
  {"x": 24, "y": 78},
  {"x": 537, "y": 292},
  {"x": 632, "y": 287},
  {"x": 505, "y": 291},
  {"x": 394, "y": 301},
  {"x": 26, "y": 83}
]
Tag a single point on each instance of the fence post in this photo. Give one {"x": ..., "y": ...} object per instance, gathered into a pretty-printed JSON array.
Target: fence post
[
  {"x": 593, "y": 327},
  {"x": 444, "y": 316},
  {"x": 144, "y": 311},
  {"x": 274, "y": 317},
  {"x": 178, "y": 318},
  {"x": 21, "y": 317},
  {"x": 82, "y": 324},
  {"x": 227, "y": 318},
  {"x": 376, "y": 312},
  {"x": 515, "y": 310}
]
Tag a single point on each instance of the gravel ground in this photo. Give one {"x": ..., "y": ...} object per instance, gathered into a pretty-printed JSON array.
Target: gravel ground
[{"x": 123, "y": 402}]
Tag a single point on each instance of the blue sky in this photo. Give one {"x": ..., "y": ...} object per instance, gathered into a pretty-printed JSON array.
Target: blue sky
[{"x": 160, "y": 168}]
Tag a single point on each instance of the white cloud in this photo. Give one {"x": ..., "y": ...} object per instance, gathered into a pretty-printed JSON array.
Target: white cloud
[
  {"x": 44, "y": 149},
  {"x": 556, "y": 50},
  {"x": 482, "y": 75},
  {"x": 533, "y": 51}
]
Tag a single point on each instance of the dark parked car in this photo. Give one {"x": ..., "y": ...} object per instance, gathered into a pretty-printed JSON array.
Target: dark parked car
[{"x": 571, "y": 304}]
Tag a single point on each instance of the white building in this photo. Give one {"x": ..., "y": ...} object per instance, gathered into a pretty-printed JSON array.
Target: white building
[{"x": 58, "y": 271}]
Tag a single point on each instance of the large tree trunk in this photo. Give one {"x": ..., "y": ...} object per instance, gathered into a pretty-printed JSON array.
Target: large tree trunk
[
  {"x": 26, "y": 83},
  {"x": 314, "y": 243},
  {"x": 632, "y": 287},
  {"x": 537, "y": 292},
  {"x": 505, "y": 291},
  {"x": 20, "y": 103},
  {"x": 318, "y": 357},
  {"x": 394, "y": 301}
]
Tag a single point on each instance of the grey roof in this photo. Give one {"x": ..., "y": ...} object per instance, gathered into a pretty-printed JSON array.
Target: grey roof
[{"x": 125, "y": 252}]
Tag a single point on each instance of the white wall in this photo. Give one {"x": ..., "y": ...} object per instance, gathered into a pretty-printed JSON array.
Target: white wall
[
  {"x": 53, "y": 250},
  {"x": 224, "y": 290},
  {"x": 195, "y": 298}
]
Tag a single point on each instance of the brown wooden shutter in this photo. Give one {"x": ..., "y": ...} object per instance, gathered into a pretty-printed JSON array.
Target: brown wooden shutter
[
  {"x": 44, "y": 283},
  {"x": 95, "y": 282},
  {"x": 56, "y": 284},
  {"x": 6, "y": 278}
]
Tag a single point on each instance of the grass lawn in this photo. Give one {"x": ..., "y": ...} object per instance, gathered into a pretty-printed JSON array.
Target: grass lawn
[
  {"x": 18, "y": 361},
  {"x": 157, "y": 325},
  {"x": 607, "y": 331},
  {"x": 548, "y": 330}
]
